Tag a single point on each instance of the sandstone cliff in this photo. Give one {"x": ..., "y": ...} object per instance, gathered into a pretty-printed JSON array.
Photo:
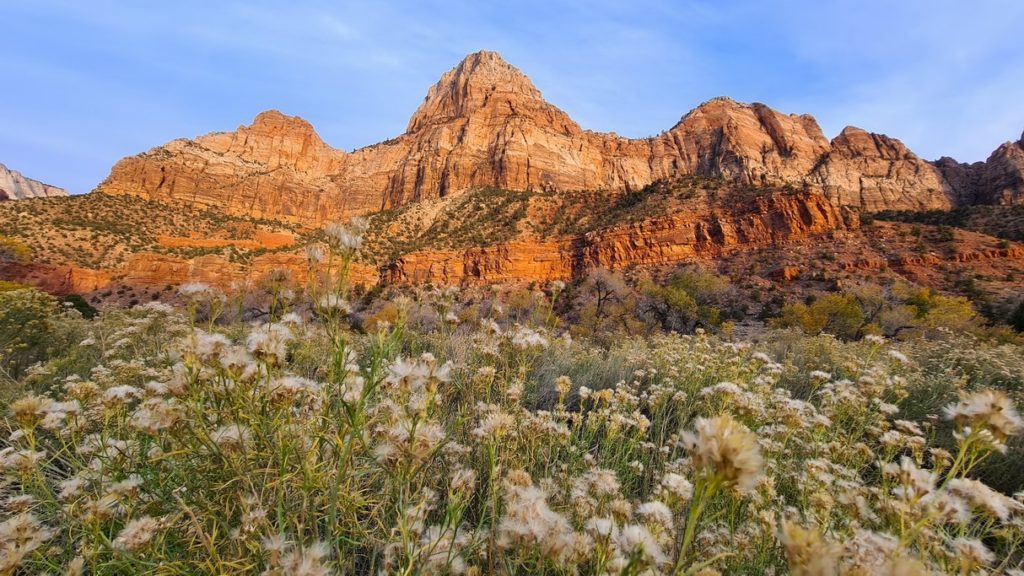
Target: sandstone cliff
[
  {"x": 277, "y": 167},
  {"x": 998, "y": 180},
  {"x": 700, "y": 233},
  {"x": 876, "y": 172},
  {"x": 14, "y": 186},
  {"x": 485, "y": 124},
  {"x": 1002, "y": 179}
]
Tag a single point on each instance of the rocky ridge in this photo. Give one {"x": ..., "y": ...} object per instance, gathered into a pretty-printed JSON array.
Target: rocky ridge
[
  {"x": 698, "y": 233},
  {"x": 704, "y": 231},
  {"x": 484, "y": 123},
  {"x": 998, "y": 180},
  {"x": 15, "y": 186}
]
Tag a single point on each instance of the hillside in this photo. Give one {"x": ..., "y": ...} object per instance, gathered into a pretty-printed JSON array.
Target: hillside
[
  {"x": 770, "y": 242},
  {"x": 1005, "y": 222},
  {"x": 97, "y": 231},
  {"x": 490, "y": 183}
]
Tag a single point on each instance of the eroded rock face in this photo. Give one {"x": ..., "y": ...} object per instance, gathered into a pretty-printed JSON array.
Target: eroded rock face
[
  {"x": 963, "y": 179},
  {"x": 876, "y": 172},
  {"x": 278, "y": 167},
  {"x": 773, "y": 219},
  {"x": 998, "y": 180},
  {"x": 747, "y": 143},
  {"x": 60, "y": 280},
  {"x": 485, "y": 124},
  {"x": 15, "y": 186},
  {"x": 1002, "y": 178}
]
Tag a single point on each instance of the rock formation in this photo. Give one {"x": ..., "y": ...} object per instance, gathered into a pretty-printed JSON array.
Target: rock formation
[
  {"x": 14, "y": 186},
  {"x": 55, "y": 279},
  {"x": 277, "y": 167},
  {"x": 876, "y": 172},
  {"x": 1002, "y": 179},
  {"x": 998, "y": 180},
  {"x": 485, "y": 124},
  {"x": 700, "y": 232},
  {"x": 696, "y": 234}
]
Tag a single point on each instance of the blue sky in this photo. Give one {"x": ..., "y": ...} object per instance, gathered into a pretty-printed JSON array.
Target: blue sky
[{"x": 87, "y": 82}]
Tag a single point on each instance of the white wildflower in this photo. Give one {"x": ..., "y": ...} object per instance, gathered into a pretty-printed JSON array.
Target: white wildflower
[
  {"x": 231, "y": 437},
  {"x": 678, "y": 486},
  {"x": 636, "y": 539},
  {"x": 136, "y": 534},
  {"x": 726, "y": 448}
]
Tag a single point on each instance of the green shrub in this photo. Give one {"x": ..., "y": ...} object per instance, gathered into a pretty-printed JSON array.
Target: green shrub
[
  {"x": 836, "y": 314},
  {"x": 26, "y": 329},
  {"x": 691, "y": 298},
  {"x": 77, "y": 302},
  {"x": 14, "y": 249}
]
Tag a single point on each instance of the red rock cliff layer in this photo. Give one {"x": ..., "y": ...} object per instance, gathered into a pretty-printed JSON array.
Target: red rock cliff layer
[{"x": 675, "y": 238}]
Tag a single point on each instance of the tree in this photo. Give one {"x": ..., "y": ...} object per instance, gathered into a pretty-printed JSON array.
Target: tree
[
  {"x": 937, "y": 311},
  {"x": 692, "y": 298},
  {"x": 605, "y": 303},
  {"x": 605, "y": 287},
  {"x": 836, "y": 314}
]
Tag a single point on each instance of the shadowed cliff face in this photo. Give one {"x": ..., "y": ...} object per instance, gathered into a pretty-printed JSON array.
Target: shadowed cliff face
[
  {"x": 998, "y": 180},
  {"x": 485, "y": 124}
]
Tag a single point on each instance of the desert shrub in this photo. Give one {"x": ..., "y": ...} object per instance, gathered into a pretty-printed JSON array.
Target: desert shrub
[
  {"x": 1016, "y": 318},
  {"x": 933, "y": 311},
  {"x": 691, "y": 298},
  {"x": 526, "y": 306},
  {"x": 389, "y": 314},
  {"x": 26, "y": 329},
  {"x": 14, "y": 249},
  {"x": 904, "y": 311},
  {"x": 836, "y": 314},
  {"x": 78, "y": 303},
  {"x": 8, "y": 286},
  {"x": 603, "y": 303}
]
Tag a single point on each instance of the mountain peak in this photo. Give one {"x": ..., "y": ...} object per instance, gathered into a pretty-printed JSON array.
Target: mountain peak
[
  {"x": 15, "y": 186},
  {"x": 275, "y": 121},
  {"x": 482, "y": 78}
]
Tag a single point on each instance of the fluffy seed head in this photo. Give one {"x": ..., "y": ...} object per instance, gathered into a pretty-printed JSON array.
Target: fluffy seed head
[{"x": 725, "y": 448}]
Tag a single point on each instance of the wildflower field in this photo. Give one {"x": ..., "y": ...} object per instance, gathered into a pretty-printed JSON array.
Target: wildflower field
[{"x": 160, "y": 440}]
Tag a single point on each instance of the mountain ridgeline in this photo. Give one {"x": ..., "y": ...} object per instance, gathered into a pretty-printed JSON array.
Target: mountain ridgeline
[
  {"x": 15, "y": 186},
  {"x": 484, "y": 124}
]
